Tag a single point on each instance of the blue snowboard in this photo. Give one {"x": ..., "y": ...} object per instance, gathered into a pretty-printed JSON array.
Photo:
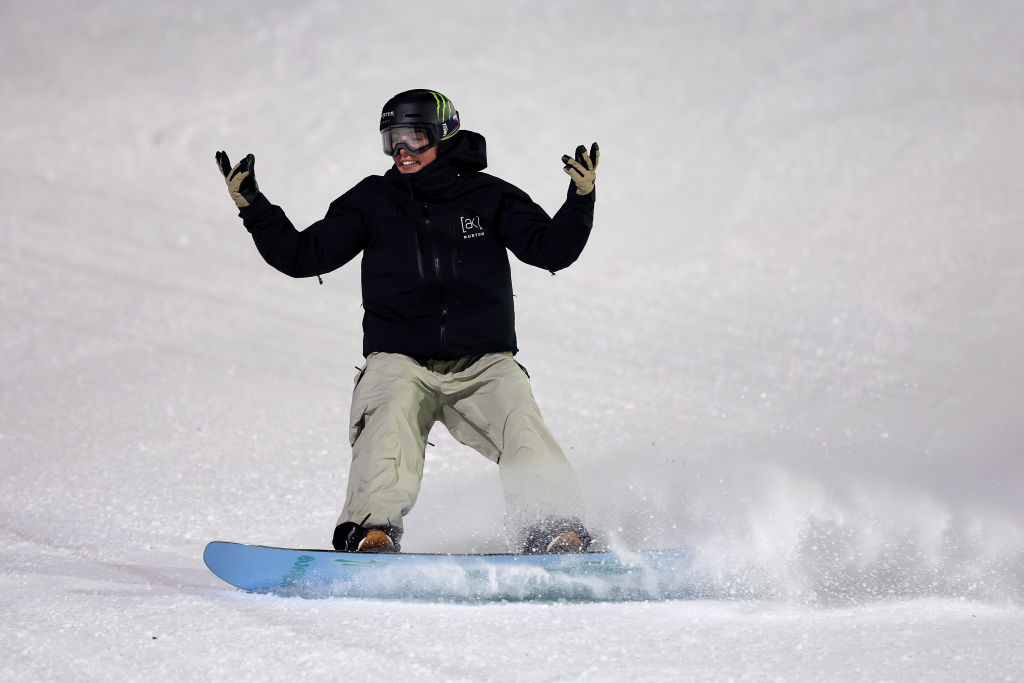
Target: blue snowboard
[{"x": 665, "y": 574}]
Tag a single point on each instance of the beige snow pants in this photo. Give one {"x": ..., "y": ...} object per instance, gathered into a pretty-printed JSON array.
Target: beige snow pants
[{"x": 486, "y": 403}]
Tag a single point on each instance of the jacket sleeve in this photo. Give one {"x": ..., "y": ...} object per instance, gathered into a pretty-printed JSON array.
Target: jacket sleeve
[
  {"x": 542, "y": 241},
  {"x": 324, "y": 246}
]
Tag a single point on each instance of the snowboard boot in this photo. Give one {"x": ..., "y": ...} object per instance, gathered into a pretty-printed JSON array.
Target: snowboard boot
[
  {"x": 557, "y": 535},
  {"x": 352, "y": 537},
  {"x": 376, "y": 541},
  {"x": 566, "y": 542}
]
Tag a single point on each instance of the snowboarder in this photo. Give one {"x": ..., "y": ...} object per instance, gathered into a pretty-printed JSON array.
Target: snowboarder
[{"x": 438, "y": 324}]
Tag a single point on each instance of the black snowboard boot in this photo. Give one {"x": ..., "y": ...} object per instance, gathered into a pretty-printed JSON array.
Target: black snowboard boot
[
  {"x": 352, "y": 537},
  {"x": 556, "y": 535}
]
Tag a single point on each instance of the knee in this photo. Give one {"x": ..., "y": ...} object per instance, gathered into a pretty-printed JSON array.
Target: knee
[
  {"x": 525, "y": 430},
  {"x": 386, "y": 404}
]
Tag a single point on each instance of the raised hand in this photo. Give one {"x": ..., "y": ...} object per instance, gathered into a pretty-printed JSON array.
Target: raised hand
[
  {"x": 241, "y": 179},
  {"x": 583, "y": 169}
]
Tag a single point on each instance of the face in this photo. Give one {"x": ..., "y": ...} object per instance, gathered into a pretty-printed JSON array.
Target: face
[
  {"x": 411, "y": 163},
  {"x": 406, "y": 161}
]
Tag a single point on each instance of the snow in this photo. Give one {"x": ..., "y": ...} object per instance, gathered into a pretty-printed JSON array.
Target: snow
[{"x": 793, "y": 344}]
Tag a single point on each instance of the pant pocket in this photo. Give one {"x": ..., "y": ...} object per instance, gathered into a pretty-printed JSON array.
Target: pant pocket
[
  {"x": 357, "y": 420},
  {"x": 357, "y": 413}
]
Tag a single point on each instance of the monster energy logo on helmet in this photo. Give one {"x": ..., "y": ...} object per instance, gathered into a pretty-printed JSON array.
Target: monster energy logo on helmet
[
  {"x": 444, "y": 105},
  {"x": 427, "y": 109}
]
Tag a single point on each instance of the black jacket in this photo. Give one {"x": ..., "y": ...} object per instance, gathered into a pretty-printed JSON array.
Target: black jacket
[{"x": 435, "y": 272}]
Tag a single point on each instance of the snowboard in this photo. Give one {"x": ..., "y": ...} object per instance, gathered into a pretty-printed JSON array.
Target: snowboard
[{"x": 662, "y": 574}]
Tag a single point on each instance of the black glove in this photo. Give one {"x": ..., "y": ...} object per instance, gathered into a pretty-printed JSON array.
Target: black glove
[
  {"x": 241, "y": 179},
  {"x": 583, "y": 169}
]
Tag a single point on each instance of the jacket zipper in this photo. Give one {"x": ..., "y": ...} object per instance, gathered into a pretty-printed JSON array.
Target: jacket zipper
[
  {"x": 419, "y": 254},
  {"x": 416, "y": 239},
  {"x": 437, "y": 272}
]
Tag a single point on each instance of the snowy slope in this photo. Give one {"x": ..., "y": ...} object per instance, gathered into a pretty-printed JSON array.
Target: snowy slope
[{"x": 793, "y": 343}]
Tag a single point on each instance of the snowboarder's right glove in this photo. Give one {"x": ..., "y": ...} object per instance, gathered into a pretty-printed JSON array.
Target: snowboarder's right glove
[
  {"x": 241, "y": 179},
  {"x": 583, "y": 169}
]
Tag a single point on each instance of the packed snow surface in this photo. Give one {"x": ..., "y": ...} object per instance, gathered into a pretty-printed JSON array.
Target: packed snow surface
[{"x": 794, "y": 343}]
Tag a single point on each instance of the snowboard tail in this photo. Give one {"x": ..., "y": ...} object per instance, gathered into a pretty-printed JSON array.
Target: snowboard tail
[{"x": 665, "y": 574}]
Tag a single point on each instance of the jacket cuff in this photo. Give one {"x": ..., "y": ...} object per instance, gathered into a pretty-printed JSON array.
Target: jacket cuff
[
  {"x": 258, "y": 205},
  {"x": 590, "y": 197}
]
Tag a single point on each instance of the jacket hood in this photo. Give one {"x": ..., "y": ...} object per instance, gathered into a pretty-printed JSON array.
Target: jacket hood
[{"x": 467, "y": 151}]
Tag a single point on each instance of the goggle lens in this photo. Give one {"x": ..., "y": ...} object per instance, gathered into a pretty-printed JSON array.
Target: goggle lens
[{"x": 413, "y": 139}]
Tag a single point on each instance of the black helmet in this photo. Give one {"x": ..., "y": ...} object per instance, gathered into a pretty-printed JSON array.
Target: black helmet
[{"x": 417, "y": 120}]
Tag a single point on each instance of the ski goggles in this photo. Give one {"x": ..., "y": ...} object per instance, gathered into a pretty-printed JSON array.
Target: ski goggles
[{"x": 413, "y": 139}]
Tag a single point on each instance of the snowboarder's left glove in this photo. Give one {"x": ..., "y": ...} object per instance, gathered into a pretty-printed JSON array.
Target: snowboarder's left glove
[
  {"x": 583, "y": 169},
  {"x": 241, "y": 179}
]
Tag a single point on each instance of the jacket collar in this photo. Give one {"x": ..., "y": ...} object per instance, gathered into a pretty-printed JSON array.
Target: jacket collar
[{"x": 466, "y": 153}]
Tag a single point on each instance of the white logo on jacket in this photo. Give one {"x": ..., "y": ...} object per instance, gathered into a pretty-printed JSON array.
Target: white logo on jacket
[{"x": 471, "y": 227}]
